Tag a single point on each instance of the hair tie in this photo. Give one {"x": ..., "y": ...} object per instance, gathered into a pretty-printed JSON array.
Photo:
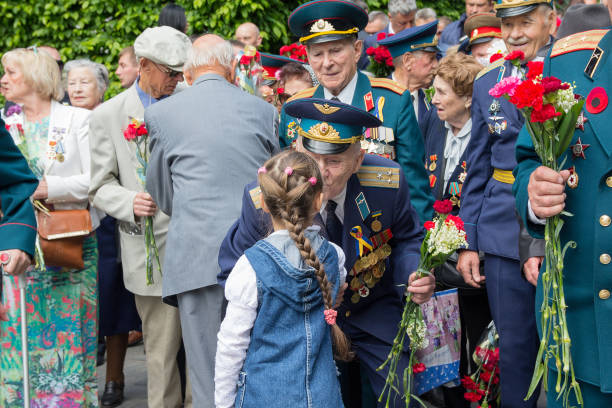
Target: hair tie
[
  {"x": 288, "y": 171},
  {"x": 330, "y": 316},
  {"x": 262, "y": 170},
  {"x": 312, "y": 181}
]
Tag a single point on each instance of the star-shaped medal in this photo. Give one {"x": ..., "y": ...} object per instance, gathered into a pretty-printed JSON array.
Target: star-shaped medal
[
  {"x": 581, "y": 121},
  {"x": 579, "y": 148}
]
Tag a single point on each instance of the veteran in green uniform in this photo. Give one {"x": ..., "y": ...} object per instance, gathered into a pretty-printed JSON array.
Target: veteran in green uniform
[
  {"x": 585, "y": 59},
  {"x": 329, "y": 30},
  {"x": 17, "y": 222}
]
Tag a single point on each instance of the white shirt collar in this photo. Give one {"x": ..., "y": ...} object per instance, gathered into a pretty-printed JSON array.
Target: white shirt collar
[
  {"x": 391, "y": 31},
  {"x": 339, "y": 199},
  {"x": 415, "y": 102},
  {"x": 454, "y": 147},
  {"x": 345, "y": 95}
]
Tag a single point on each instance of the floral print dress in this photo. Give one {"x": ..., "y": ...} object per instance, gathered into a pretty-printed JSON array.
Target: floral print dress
[{"x": 62, "y": 312}]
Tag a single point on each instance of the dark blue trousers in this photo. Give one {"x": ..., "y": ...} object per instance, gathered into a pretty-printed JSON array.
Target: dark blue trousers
[{"x": 512, "y": 304}]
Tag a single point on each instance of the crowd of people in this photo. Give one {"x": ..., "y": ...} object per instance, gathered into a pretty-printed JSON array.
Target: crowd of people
[{"x": 222, "y": 205}]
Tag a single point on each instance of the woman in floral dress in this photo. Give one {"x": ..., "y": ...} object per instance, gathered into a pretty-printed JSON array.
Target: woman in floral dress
[{"x": 61, "y": 302}]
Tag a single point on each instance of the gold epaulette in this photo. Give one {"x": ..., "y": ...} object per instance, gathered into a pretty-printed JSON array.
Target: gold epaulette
[
  {"x": 255, "y": 194},
  {"x": 491, "y": 67},
  {"x": 387, "y": 84},
  {"x": 306, "y": 93},
  {"x": 376, "y": 176},
  {"x": 586, "y": 40}
]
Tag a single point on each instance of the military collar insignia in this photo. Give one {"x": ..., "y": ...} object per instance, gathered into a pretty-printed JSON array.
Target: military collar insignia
[
  {"x": 578, "y": 149},
  {"x": 591, "y": 66}
]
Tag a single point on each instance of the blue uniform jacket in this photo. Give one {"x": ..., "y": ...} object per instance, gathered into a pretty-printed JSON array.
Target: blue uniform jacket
[
  {"x": 398, "y": 119},
  {"x": 487, "y": 205},
  {"x": 452, "y": 34},
  {"x": 425, "y": 110},
  {"x": 17, "y": 184},
  {"x": 435, "y": 142},
  {"x": 379, "y": 313},
  {"x": 587, "y": 271}
]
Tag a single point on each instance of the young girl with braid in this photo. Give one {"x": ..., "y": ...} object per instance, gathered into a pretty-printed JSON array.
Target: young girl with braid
[{"x": 275, "y": 344}]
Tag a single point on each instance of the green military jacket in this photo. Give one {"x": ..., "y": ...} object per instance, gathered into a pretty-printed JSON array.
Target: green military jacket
[
  {"x": 585, "y": 59},
  {"x": 399, "y": 137},
  {"x": 17, "y": 183}
]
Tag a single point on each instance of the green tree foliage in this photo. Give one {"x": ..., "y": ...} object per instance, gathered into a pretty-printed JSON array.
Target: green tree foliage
[{"x": 99, "y": 29}]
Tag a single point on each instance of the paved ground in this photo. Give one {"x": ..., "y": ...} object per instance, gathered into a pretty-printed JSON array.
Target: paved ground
[{"x": 136, "y": 380}]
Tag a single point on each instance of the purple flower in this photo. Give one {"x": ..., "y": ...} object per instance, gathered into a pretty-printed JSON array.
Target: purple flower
[{"x": 13, "y": 109}]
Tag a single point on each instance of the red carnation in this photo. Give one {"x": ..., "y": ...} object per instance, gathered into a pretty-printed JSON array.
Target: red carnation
[
  {"x": 472, "y": 396},
  {"x": 284, "y": 49},
  {"x": 443, "y": 207},
  {"x": 429, "y": 225},
  {"x": 381, "y": 36},
  {"x": 495, "y": 57},
  {"x": 370, "y": 50},
  {"x": 456, "y": 220},
  {"x": 518, "y": 54},
  {"x": 130, "y": 132},
  {"x": 547, "y": 112},
  {"x": 142, "y": 130},
  {"x": 528, "y": 95},
  {"x": 552, "y": 84},
  {"x": 534, "y": 68},
  {"x": 245, "y": 60},
  {"x": 418, "y": 368},
  {"x": 468, "y": 383},
  {"x": 280, "y": 90}
]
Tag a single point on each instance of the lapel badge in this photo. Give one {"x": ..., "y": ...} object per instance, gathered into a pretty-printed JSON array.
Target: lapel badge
[
  {"x": 597, "y": 101},
  {"x": 495, "y": 107},
  {"x": 463, "y": 174},
  {"x": 491, "y": 129},
  {"x": 376, "y": 225},
  {"x": 432, "y": 159},
  {"x": 291, "y": 130},
  {"x": 500, "y": 127},
  {"x": 364, "y": 291},
  {"x": 578, "y": 149},
  {"x": 456, "y": 202},
  {"x": 572, "y": 180},
  {"x": 368, "y": 100},
  {"x": 432, "y": 180},
  {"x": 454, "y": 188},
  {"x": 581, "y": 121},
  {"x": 362, "y": 206}
]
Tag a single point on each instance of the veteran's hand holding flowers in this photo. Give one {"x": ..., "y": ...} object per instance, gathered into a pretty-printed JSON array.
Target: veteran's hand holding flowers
[{"x": 420, "y": 287}]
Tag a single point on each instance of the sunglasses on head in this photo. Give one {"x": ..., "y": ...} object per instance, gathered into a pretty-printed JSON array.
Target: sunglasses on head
[{"x": 170, "y": 72}]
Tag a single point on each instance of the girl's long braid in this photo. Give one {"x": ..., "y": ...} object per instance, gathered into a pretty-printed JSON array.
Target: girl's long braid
[{"x": 289, "y": 197}]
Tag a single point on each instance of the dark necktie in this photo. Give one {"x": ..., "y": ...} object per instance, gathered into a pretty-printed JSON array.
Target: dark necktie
[
  {"x": 333, "y": 224},
  {"x": 335, "y": 98}
]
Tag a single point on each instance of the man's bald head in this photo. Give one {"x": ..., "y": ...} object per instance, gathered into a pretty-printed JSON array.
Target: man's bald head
[
  {"x": 209, "y": 54},
  {"x": 248, "y": 33}
]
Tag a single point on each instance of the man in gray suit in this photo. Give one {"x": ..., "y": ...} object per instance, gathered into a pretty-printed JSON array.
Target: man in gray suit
[{"x": 207, "y": 143}]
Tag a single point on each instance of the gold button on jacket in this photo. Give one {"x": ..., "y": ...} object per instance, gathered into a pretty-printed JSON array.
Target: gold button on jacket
[
  {"x": 604, "y": 259},
  {"x": 604, "y": 294},
  {"x": 604, "y": 220},
  {"x": 609, "y": 181}
]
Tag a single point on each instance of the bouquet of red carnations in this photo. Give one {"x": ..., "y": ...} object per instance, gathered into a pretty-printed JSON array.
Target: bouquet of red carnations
[
  {"x": 484, "y": 383},
  {"x": 137, "y": 132},
  {"x": 294, "y": 51},
  {"x": 552, "y": 111},
  {"x": 381, "y": 62},
  {"x": 445, "y": 234}
]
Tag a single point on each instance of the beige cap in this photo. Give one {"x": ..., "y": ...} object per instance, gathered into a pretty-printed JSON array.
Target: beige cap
[{"x": 163, "y": 45}]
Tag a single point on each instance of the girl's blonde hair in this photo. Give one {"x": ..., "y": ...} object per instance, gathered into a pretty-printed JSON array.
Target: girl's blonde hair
[
  {"x": 40, "y": 71},
  {"x": 290, "y": 183}
]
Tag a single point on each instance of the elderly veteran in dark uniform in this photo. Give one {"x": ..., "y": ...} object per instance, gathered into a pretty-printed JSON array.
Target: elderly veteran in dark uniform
[
  {"x": 363, "y": 195},
  {"x": 481, "y": 29},
  {"x": 584, "y": 59},
  {"x": 487, "y": 205},
  {"x": 17, "y": 222},
  {"x": 329, "y": 30},
  {"x": 414, "y": 51}
]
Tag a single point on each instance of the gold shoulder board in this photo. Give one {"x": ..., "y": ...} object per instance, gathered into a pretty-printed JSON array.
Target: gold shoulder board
[
  {"x": 586, "y": 40},
  {"x": 375, "y": 176},
  {"x": 306, "y": 93},
  {"x": 256, "y": 197},
  {"x": 387, "y": 84},
  {"x": 491, "y": 67}
]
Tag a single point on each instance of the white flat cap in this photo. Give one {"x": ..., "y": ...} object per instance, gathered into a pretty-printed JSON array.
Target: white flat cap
[{"x": 163, "y": 45}]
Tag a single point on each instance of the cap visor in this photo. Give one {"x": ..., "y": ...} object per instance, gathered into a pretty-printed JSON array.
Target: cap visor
[
  {"x": 515, "y": 11},
  {"x": 319, "y": 147}
]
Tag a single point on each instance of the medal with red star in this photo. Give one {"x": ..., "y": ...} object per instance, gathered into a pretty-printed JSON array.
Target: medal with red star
[
  {"x": 579, "y": 148},
  {"x": 581, "y": 121}
]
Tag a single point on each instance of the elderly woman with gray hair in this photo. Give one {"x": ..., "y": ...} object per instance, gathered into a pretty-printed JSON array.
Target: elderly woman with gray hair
[{"x": 86, "y": 82}]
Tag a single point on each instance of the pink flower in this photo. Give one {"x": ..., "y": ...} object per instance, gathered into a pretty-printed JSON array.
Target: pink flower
[{"x": 505, "y": 86}]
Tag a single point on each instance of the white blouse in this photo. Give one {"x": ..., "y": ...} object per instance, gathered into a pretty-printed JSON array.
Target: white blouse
[{"x": 235, "y": 333}]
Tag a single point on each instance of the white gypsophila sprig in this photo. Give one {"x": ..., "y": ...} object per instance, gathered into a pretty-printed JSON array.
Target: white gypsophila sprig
[
  {"x": 446, "y": 239},
  {"x": 417, "y": 331},
  {"x": 564, "y": 99}
]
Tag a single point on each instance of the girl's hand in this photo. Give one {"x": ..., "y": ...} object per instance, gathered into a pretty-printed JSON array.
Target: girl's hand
[{"x": 421, "y": 288}]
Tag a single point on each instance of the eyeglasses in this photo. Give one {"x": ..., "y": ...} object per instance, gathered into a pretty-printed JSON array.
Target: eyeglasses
[{"x": 170, "y": 72}]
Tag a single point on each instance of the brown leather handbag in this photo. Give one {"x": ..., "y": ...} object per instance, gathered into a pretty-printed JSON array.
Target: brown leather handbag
[{"x": 61, "y": 234}]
